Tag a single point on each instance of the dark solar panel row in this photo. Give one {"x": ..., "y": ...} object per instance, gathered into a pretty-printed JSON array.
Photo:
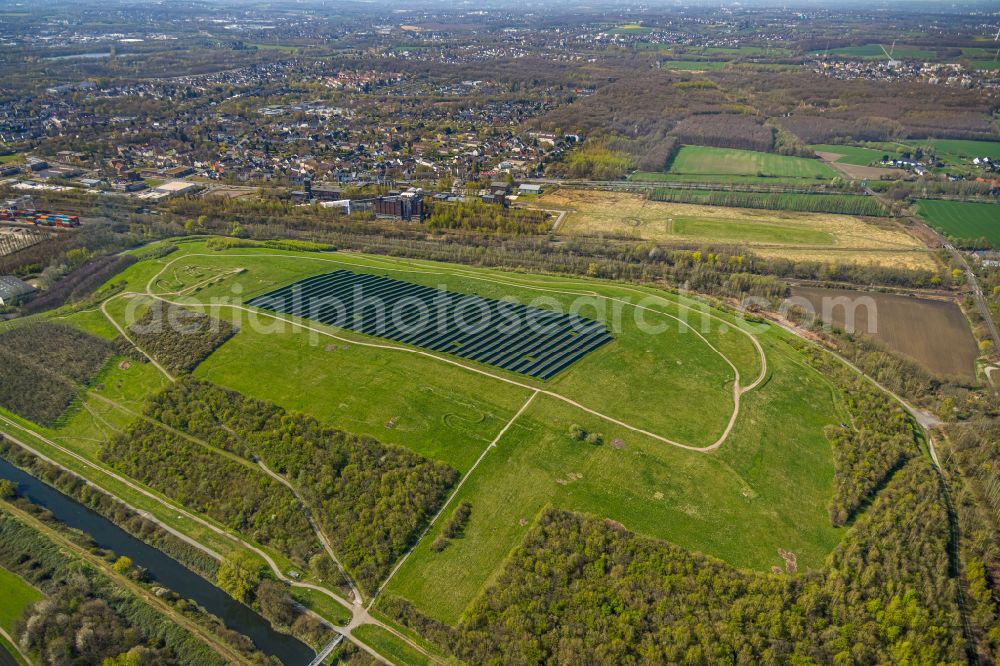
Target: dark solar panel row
[{"x": 532, "y": 341}]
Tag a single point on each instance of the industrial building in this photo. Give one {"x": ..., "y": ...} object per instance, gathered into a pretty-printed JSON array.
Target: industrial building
[{"x": 14, "y": 291}]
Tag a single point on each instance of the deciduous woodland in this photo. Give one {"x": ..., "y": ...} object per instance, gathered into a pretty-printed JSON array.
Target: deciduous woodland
[
  {"x": 372, "y": 499},
  {"x": 581, "y": 589},
  {"x": 46, "y": 366},
  {"x": 478, "y": 216},
  {"x": 240, "y": 496}
]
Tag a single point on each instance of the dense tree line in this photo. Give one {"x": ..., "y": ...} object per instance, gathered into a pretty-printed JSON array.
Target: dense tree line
[
  {"x": 725, "y": 130},
  {"x": 85, "y": 617},
  {"x": 584, "y": 590},
  {"x": 596, "y": 159},
  {"x": 371, "y": 499},
  {"x": 879, "y": 439},
  {"x": 848, "y": 204},
  {"x": 178, "y": 338},
  {"x": 111, "y": 508},
  {"x": 970, "y": 458},
  {"x": 865, "y": 453},
  {"x": 45, "y": 366},
  {"x": 239, "y": 496},
  {"x": 476, "y": 215},
  {"x": 659, "y": 154}
]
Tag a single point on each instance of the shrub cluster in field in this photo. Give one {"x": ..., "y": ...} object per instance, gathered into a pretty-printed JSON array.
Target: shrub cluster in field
[
  {"x": 85, "y": 617},
  {"x": 45, "y": 366},
  {"x": 239, "y": 496},
  {"x": 371, "y": 499},
  {"x": 454, "y": 528},
  {"x": 585, "y": 590},
  {"x": 845, "y": 204},
  {"x": 179, "y": 339},
  {"x": 480, "y": 216}
]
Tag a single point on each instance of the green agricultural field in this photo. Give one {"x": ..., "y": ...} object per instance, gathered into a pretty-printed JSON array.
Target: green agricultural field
[
  {"x": 17, "y": 595},
  {"x": 875, "y": 51},
  {"x": 730, "y": 165},
  {"x": 694, "y": 65},
  {"x": 990, "y": 64},
  {"x": 390, "y": 646},
  {"x": 957, "y": 151},
  {"x": 727, "y": 231},
  {"x": 851, "y": 154},
  {"x": 963, "y": 221}
]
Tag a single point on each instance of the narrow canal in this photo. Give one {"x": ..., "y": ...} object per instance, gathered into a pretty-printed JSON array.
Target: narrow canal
[{"x": 162, "y": 568}]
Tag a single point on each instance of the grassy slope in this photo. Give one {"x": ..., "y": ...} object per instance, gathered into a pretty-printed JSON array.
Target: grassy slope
[
  {"x": 960, "y": 219},
  {"x": 17, "y": 595},
  {"x": 447, "y": 412},
  {"x": 766, "y": 488},
  {"x": 725, "y": 163}
]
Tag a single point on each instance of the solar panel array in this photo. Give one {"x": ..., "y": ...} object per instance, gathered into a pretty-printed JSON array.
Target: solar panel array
[{"x": 532, "y": 341}]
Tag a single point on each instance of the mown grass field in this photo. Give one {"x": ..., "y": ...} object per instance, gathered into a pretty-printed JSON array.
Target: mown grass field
[
  {"x": 690, "y": 499},
  {"x": 728, "y": 165},
  {"x": 389, "y": 646},
  {"x": 963, "y": 221},
  {"x": 16, "y": 596},
  {"x": 851, "y": 154},
  {"x": 957, "y": 151},
  {"x": 765, "y": 488},
  {"x": 807, "y": 236}
]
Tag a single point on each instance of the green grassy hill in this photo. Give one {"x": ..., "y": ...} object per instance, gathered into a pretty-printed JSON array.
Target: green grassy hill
[{"x": 661, "y": 390}]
